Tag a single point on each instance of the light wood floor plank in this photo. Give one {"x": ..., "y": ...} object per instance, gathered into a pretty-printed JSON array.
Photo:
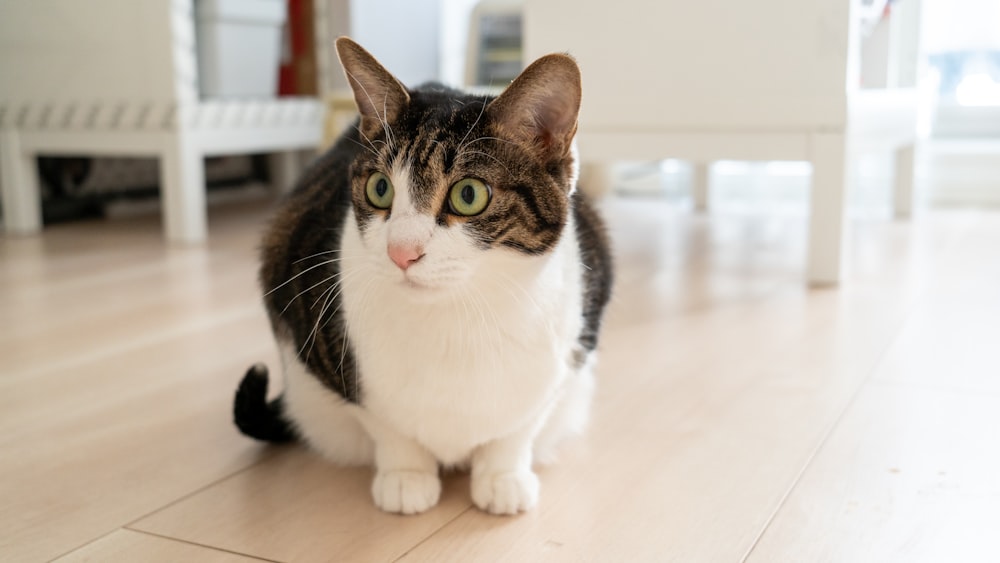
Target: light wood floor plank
[
  {"x": 951, "y": 339},
  {"x": 911, "y": 475},
  {"x": 126, "y": 545},
  {"x": 297, "y": 507},
  {"x": 124, "y": 407}
]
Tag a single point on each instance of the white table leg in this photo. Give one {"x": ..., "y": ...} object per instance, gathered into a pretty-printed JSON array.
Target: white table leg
[
  {"x": 826, "y": 222},
  {"x": 22, "y": 203},
  {"x": 903, "y": 184},
  {"x": 285, "y": 168},
  {"x": 182, "y": 177},
  {"x": 700, "y": 183}
]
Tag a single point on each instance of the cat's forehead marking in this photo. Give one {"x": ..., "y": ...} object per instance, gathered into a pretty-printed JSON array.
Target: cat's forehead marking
[
  {"x": 407, "y": 224},
  {"x": 425, "y": 158}
]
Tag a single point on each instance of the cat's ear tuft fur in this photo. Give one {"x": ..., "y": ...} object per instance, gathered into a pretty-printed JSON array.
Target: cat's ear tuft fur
[
  {"x": 379, "y": 96},
  {"x": 541, "y": 106}
]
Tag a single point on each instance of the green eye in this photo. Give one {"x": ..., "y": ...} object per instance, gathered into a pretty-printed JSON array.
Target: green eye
[
  {"x": 469, "y": 197},
  {"x": 379, "y": 190}
]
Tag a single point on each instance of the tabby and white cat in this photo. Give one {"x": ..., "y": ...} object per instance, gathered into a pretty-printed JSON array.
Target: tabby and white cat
[{"x": 435, "y": 284}]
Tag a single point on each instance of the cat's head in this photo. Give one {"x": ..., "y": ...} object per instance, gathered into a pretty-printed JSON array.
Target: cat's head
[{"x": 450, "y": 185}]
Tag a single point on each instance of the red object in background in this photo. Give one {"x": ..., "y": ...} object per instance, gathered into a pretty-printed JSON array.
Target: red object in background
[{"x": 297, "y": 75}]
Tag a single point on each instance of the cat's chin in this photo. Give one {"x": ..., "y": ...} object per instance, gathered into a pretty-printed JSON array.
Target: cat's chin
[{"x": 421, "y": 290}]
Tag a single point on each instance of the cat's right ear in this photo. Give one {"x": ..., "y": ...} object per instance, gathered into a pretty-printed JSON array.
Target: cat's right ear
[
  {"x": 540, "y": 107},
  {"x": 379, "y": 96}
]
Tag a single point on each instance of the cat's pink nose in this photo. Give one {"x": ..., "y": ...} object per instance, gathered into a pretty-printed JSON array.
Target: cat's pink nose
[{"x": 405, "y": 256}]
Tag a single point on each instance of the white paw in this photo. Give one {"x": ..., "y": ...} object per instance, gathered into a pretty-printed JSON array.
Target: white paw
[
  {"x": 406, "y": 492},
  {"x": 505, "y": 493}
]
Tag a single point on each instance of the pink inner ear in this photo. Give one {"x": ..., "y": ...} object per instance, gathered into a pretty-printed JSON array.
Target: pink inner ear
[{"x": 553, "y": 121}]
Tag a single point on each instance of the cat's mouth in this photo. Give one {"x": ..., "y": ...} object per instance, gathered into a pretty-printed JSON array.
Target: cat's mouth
[
  {"x": 413, "y": 284},
  {"x": 423, "y": 288}
]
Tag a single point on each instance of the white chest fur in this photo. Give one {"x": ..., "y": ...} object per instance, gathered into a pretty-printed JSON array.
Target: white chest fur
[{"x": 470, "y": 365}]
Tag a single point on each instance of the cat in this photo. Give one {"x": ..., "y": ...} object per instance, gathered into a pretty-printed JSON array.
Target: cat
[{"x": 435, "y": 284}]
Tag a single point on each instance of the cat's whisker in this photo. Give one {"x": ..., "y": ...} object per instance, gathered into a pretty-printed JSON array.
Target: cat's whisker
[
  {"x": 483, "y": 346},
  {"x": 474, "y": 123},
  {"x": 490, "y": 139},
  {"x": 332, "y": 287},
  {"x": 369, "y": 149},
  {"x": 388, "y": 130},
  {"x": 332, "y": 296},
  {"x": 337, "y": 287},
  {"x": 486, "y": 154},
  {"x": 372, "y": 142},
  {"x": 385, "y": 126},
  {"x": 455, "y": 302},
  {"x": 511, "y": 283},
  {"x": 311, "y": 338},
  {"x": 496, "y": 345},
  {"x": 303, "y": 272},
  {"x": 480, "y": 299},
  {"x": 307, "y": 290},
  {"x": 317, "y": 254},
  {"x": 343, "y": 343}
]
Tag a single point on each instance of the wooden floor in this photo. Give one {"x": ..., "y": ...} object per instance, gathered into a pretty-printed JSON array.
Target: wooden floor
[{"x": 740, "y": 415}]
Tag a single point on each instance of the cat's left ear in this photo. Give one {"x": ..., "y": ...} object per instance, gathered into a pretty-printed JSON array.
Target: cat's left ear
[
  {"x": 379, "y": 96},
  {"x": 541, "y": 106}
]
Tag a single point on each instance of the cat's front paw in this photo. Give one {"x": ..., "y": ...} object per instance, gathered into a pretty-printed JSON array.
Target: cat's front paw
[
  {"x": 505, "y": 493},
  {"x": 406, "y": 492}
]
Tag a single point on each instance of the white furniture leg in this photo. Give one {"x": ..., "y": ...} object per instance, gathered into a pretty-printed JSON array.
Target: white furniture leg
[
  {"x": 285, "y": 168},
  {"x": 826, "y": 202},
  {"x": 700, "y": 180},
  {"x": 182, "y": 179},
  {"x": 595, "y": 179},
  {"x": 903, "y": 185},
  {"x": 22, "y": 202}
]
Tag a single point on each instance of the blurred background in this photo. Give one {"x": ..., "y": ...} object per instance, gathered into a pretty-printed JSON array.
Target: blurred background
[{"x": 105, "y": 67}]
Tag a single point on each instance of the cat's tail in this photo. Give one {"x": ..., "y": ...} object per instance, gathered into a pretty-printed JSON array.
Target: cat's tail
[{"x": 256, "y": 417}]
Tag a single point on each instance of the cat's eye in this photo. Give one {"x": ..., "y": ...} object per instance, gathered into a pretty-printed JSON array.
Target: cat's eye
[
  {"x": 469, "y": 197},
  {"x": 379, "y": 190}
]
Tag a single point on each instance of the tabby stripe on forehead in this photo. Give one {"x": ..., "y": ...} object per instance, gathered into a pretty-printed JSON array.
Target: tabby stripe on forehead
[{"x": 430, "y": 146}]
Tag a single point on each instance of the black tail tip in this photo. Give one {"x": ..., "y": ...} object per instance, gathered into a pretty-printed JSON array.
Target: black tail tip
[
  {"x": 254, "y": 383},
  {"x": 253, "y": 415}
]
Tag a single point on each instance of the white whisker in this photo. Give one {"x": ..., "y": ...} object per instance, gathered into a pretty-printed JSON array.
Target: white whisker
[
  {"x": 474, "y": 123},
  {"x": 490, "y": 156},
  {"x": 310, "y": 268}
]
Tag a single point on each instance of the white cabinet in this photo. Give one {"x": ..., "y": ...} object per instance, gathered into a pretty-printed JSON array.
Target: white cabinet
[
  {"x": 120, "y": 77},
  {"x": 718, "y": 79}
]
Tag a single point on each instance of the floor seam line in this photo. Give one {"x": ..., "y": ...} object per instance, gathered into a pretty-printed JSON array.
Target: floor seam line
[
  {"x": 201, "y": 545},
  {"x": 432, "y": 534}
]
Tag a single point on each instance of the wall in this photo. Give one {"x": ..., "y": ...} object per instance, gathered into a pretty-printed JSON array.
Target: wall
[{"x": 402, "y": 34}]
